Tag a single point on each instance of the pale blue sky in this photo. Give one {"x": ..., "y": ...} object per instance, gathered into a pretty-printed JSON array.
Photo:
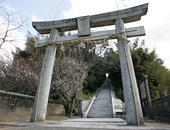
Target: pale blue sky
[
  {"x": 39, "y": 10},
  {"x": 156, "y": 22},
  {"x": 44, "y": 9}
]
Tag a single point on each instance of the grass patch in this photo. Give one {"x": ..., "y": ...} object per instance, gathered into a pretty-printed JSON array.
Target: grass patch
[{"x": 83, "y": 96}]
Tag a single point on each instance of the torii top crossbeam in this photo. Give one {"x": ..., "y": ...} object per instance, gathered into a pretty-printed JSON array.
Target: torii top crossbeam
[{"x": 128, "y": 15}]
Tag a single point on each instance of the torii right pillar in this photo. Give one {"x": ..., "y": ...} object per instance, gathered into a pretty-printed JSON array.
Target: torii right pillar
[{"x": 134, "y": 113}]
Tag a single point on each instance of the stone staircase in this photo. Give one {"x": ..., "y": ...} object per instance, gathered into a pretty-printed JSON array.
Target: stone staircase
[{"x": 102, "y": 106}]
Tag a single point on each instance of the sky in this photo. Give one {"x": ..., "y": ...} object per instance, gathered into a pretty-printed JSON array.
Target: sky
[{"x": 156, "y": 22}]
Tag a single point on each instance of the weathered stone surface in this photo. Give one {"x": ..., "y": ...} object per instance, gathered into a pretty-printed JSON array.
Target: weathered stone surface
[
  {"x": 16, "y": 106},
  {"x": 132, "y": 101},
  {"x": 128, "y": 15},
  {"x": 41, "y": 101},
  {"x": 96, "y": 36},
  {"x": 83, "y": 26}
]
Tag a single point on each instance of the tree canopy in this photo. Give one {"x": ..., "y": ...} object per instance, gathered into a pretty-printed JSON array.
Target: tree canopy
[{"x": 145, "y": 63}]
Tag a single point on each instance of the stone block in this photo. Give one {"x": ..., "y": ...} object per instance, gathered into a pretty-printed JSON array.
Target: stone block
[{"x": 83, "y": 26}]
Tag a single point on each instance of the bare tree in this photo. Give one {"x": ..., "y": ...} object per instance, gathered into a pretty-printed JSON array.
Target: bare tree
[
  {"x": 68, "y": 77},
  {"x": 11, "y": 24},
  {"x": 10, "y": 21},
  {"x": 22, "y": 76},
  {"x": 70, "y": 72}
]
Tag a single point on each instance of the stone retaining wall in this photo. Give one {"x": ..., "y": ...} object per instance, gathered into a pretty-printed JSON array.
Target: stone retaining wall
[
  {"x": 14, "y": 106},
  {"x": 161, "y": 106}
]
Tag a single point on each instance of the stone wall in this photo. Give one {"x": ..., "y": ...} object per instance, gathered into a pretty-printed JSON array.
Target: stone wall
[
  {"x": 14, "y": 106},
  {"x": 161, "y": 106}
]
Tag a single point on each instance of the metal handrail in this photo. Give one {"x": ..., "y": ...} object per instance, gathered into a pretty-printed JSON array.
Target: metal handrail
[
  {"x": 112, "y": 101},
  {"x": 89, "y": 107},
  {"x": 24, "y": 96},
  {"x": 16, "y": 94}
]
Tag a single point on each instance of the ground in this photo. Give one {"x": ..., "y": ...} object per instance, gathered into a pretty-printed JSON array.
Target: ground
[
  {"x": 52, "y": 123},
  {"x": 27, "y": 117},
  {"x": 84, "y": 124}
]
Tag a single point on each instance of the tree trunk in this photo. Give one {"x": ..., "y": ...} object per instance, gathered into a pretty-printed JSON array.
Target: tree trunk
[{"x": 68, "y": 109}]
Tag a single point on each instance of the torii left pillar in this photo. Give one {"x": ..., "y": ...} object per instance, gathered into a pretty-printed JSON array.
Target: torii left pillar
[{"x": 41, "y": 100}]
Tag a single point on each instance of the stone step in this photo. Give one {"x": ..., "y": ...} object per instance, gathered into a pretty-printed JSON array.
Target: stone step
[
  {"x": 103, "y": 113},
  {"x": 101, "y": 110},
  {"x": 102, "y": 105},
  {"x": 100, "y": 116},
  {"x": 106, "y": 96},
  {"x": 102, "y": 101},
  {"x": 117, "y": 107}
]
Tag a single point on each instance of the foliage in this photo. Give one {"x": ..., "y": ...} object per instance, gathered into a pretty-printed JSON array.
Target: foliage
[
  {"x": 95, "y": 78},
  {"x": 103, "y": 65},
  {"x": 83, "y": 96},
  {"x": 145, "y": 63},
  {"x": 114, "y": 72},
  {"x": 148, "y": 63}
]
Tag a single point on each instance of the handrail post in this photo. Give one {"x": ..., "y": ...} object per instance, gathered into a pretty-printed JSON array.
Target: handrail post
[
  {"x": 148, "y": 97},
  {"x": 112, "y": 101}
]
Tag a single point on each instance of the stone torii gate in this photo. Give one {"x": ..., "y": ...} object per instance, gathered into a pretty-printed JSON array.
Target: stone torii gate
[{"x": 134, "y": 113}]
